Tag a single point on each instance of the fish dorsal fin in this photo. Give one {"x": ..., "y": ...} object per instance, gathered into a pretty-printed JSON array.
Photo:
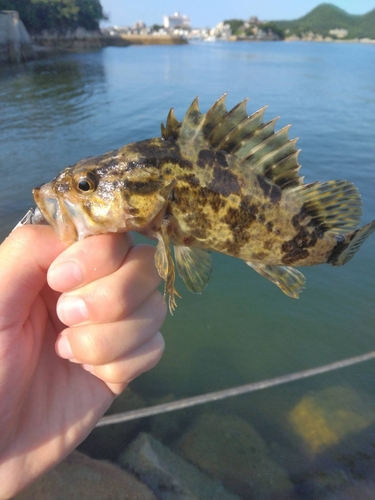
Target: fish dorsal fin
[
  {"x": 255, "y": 144},
  {"x": 333, "y": 206},
  {"x": 171, "y": 130}
]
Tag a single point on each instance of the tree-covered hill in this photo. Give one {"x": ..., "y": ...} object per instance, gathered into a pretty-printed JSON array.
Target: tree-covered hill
[
  {"x": 60, "y": 15},
  {"x": 326, "y": 17}
]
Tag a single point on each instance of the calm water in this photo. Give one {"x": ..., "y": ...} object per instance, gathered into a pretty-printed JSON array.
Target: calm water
[{"x": 242, "y": 329}]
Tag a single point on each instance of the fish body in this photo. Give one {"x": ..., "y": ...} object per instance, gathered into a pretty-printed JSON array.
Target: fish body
[{"x": 221, "y": 181}]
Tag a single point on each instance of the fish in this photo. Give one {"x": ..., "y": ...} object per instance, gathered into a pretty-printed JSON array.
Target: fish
[{"x": 221, "y": 181}]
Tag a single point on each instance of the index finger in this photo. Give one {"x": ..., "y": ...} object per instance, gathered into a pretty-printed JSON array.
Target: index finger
[{"x": 89, "y": 260}]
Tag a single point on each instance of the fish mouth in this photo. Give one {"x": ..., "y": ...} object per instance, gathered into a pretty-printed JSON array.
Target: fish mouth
[{"x": 55, "y": 213}]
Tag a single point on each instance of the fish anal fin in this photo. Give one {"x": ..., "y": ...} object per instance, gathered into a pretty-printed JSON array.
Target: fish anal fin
[
  {"x": 194, "y": 265},
  {"x": 289, "y": 280},
  {"x": 165, "y": 266}
]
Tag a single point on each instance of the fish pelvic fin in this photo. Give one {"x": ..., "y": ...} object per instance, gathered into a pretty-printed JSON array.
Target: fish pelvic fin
[
  {"x": 289, "y": 280},
  {"x": 333, "y": 206},
  {"x": 194, "y": 265},
  {"x": 348, "y": 245},
  {"x": 165, "y": 266},
  {"x": 254, "y": 143}
]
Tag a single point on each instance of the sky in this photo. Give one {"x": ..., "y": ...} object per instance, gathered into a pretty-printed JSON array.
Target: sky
[{"x": 208, "y": 13}]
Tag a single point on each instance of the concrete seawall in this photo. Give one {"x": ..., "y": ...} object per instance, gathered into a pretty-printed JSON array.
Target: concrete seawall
[
  {"x": 15, "y": 42},
  {"x": 152, "y": 39}
]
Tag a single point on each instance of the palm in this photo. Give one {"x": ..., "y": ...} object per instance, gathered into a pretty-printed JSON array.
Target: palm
[
  {"x": 54, "y": 394},
  {"x": 48, "y": 404}
]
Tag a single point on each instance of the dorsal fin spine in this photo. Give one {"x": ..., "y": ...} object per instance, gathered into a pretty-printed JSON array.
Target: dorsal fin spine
[
  {"x": 255, "y": 139},
  {"x": 254, "y": 144},
  {"x": 171, "y": 130},
  {"x": 192, "y": 122},
  {"x": 275, "y": 155},
  {"x": 263, "y": 148}
]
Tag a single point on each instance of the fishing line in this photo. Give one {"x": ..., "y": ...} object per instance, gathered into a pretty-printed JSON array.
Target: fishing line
[{"x": 234, "y": 391}]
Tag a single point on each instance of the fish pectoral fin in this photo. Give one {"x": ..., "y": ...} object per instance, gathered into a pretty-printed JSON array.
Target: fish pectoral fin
[
  {"x": 165, "y": 266},
  {"x": 194, "y": 265},
  {"x": 289, "y": 280}
]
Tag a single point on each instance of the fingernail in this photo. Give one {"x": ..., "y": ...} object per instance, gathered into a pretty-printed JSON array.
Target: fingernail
[
  {"x": 63, "y": 348},
  {"x": 65, "y": 276},
  {"x": 72, "y": 310}
]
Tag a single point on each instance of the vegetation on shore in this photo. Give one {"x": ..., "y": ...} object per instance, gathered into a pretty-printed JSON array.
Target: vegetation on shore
[
  {"x": 326, "y": 20},
  {"x": 327, "y": 17},
  {"x": 59, "y": 15},
  {"x": 244, "y": 29}
]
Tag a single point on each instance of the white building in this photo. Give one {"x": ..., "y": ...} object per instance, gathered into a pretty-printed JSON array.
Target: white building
[
  {"x": 339, "y": 32},
  {"x": 177, "y": 20}
]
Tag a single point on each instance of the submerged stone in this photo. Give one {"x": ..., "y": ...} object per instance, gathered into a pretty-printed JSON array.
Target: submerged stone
[
  {"x": 169, "y": 476},
  {"x": 79, "y": 477},
  {"x": 229, "y": 449},
  {"x": 325, "y": 418}
]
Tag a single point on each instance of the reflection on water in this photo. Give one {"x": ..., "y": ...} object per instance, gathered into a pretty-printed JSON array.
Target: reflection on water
[
  {"x": 48, "y": 95},
  {"x": 317, "y": 434},
  {"x": 42, "y": 106}
]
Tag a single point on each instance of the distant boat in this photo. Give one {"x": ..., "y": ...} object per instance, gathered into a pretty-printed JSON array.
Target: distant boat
[{"x": 210, "y": 38}]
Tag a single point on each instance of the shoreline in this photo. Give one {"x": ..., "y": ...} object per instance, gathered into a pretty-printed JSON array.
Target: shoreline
[
  {"x": 96, "y": 40},
  {"x": 47, "y": 45}
]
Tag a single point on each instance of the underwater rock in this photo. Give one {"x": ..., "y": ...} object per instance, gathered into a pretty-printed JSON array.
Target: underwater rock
[
  {"x": 107, "y": 442},
  {"x": 79, "y": 477},
  {"x": 168, "y": 475},
  {"x": 229, "y": 449},
  {"x": 166, "y": 427},
  {"x": 358, "y": 490},
  {"x": 323, "y": 419}
]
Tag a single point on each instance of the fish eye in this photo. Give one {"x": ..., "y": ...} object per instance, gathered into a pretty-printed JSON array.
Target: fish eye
[{"x": 87, "y": 183}]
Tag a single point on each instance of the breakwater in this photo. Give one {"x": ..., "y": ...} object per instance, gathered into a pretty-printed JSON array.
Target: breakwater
[{"x": 15, "y": 42}]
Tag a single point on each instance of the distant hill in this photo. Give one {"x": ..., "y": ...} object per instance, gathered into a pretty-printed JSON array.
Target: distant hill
[{"x": 326, "y": 17}]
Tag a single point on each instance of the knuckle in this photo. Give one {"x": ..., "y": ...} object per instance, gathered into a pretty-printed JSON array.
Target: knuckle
[{"x": 92, "y": 346}]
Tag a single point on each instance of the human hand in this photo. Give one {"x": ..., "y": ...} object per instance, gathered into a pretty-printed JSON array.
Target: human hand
[{"x": 49, "y": 404}]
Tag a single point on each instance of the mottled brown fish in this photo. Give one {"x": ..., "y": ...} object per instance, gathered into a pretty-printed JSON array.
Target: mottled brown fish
[{"x": 221, "y": 181}]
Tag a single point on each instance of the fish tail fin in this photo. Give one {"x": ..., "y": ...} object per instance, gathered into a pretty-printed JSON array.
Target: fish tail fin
[{"x": 348, "y": 245}]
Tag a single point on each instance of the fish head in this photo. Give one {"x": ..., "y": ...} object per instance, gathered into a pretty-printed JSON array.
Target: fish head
[{"x": 103, "y": 194}]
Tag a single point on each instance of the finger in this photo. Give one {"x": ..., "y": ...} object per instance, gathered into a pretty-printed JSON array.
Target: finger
[
  {"x": 25, "y": 257},
  {"x": 115, "y": 296},
  {"x": 99, "y": 344},
  {"x": 89, "y": 260},
  {"x": 121, "y": 371}
]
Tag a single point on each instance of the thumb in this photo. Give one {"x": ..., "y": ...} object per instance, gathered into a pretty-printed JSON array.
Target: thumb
[{"x": 24, "y": 259}]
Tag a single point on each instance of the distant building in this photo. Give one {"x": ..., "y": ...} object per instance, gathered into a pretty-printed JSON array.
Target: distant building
[
  {"x": 139, "y": 25},
  {"x": 177, "y": 20},
  {"x": 339, "y": 32},
  {"x": 221, "y": 30}
]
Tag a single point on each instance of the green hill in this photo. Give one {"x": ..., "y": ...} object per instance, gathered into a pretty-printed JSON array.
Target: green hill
[{"x": 326, "y": 17}]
